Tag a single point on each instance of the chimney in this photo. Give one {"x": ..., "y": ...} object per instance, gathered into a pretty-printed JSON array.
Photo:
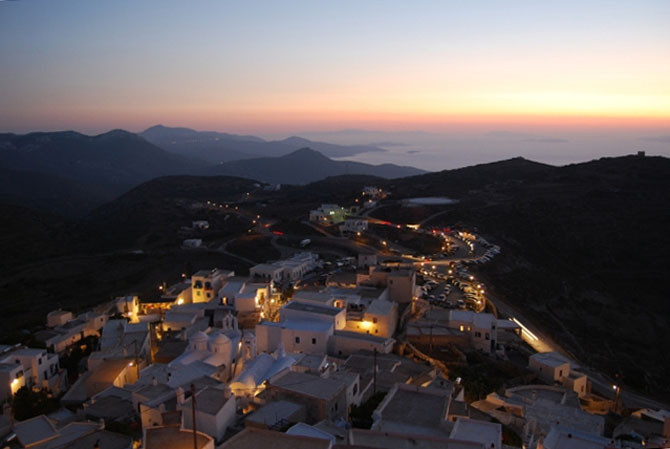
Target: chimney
[{"x": 180, "y": 395}]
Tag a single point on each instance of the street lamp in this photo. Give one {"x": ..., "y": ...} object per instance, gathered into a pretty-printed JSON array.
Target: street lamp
[{"x": 617, "y": 389}]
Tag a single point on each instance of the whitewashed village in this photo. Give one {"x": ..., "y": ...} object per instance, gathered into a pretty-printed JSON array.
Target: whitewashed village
[{"x": 375, "y": 351}]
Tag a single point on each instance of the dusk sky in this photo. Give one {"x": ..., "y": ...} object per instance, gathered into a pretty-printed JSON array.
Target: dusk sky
[{"x": 270, "y": 67}]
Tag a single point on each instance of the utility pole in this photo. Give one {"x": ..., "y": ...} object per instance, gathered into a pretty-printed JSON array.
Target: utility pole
[
  {"x": 431, "y": 341},
  {"x": 195, "y": 433},
  {"x": 374, "y": 372},
  {"x": 137, "y": 359}
]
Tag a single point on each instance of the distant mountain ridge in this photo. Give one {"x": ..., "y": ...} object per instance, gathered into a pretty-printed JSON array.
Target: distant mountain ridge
[
  {"x": 216, "y": 147},
  {"x": 69, "y": 173},
  {"x": 305, "y": 166},
  {"x": 115, "y": 161}
]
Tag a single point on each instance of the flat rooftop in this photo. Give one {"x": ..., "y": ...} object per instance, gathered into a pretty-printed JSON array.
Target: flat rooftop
[
  {"x": 311, "y": 295},
  {"x": 34, "y": 430},
  {"x": 360, "y": 336},
  {"x": 173, "y": 438},
  {"x": 380, "y": 307},
  {"x": 309, "y": 385},
  {"x": 312, "y": 308},
  {"x": 209, "y": 400},
  {"x": 388, "y": 440},
  {"x": 275, "y": 411},
  {"x": 257, "y": 438},
  {"x": 552, "y": 359},
  {"x": 304, "y": 325},
  {"x": 420, "y": 406},
  {"x": 109, "y": 408},
  {"x": 487, "y": 433}
]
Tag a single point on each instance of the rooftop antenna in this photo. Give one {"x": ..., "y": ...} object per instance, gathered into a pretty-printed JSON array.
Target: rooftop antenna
[
  {"x": 195, "y": 434},
  {"x": 374, "y": 372}
]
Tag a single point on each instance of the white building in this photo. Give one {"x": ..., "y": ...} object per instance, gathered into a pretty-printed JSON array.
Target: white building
[
  {"x": 218, "y": 349},
  {"x": 560, "y": 437},
  {"x": 214, "y": 411},
  {"x": 372, "y": 191},
  {"x": 289, "y": 270},
  {"x": 307, "y": 336},
  {"x": 325, "y": 297},
  {"x": 128, "y": 306},
  {"x": 177, "y": 319},
  {"x": 297, "y": 310},
  {"x": 550, "y": 366},
  {"x": 206, "y": 283},
  {"x": 256, "y": 371},
  {"x": 328, "y": 214},
  {"x": 380, "y": 318},
  {"x": 366, "y": 260},
  {"x": 482, "y": 329},
  {"x": 401, "y": 284},
  {"x": 554, "y": 368},
  {"x": 487, "y": 433},
  {"x": 344, "y": 343},
  {"x": 12, "y": 378},
  {"x": 243, "y": 294},
  {"x": 40, "y": 368},
  {"x": 352, "y": 225},
  {"x": 122, "y": 339},
  {"x": 267, "y": 271},
  {"x": 200, "y": 224},
  {"x": 58, "y": 318},
  {"x": 411, "y": 409},
  {"x": 63, "y": 336},
  {"x": 192, "y": 243}
]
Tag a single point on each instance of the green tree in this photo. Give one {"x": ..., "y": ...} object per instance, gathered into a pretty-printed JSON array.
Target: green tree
[{"x": 28, "y": 403}]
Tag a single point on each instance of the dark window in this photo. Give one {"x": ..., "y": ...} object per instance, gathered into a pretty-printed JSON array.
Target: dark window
[
  {"x": 487, "y": 336},
  {"x": 297, "y": 339},
  {"x": 356, "y": 388},
  {"x": 374, "y": 320},
  {"x": 39, "y": 361},
  {"x": 313, "y": 341}
]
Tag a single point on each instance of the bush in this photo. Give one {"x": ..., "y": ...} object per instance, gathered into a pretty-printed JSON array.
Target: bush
[{"x": 361, "y": 416}]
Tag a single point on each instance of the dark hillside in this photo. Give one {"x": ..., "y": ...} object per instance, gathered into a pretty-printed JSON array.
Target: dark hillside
[{"x": 585, "y": 251}]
